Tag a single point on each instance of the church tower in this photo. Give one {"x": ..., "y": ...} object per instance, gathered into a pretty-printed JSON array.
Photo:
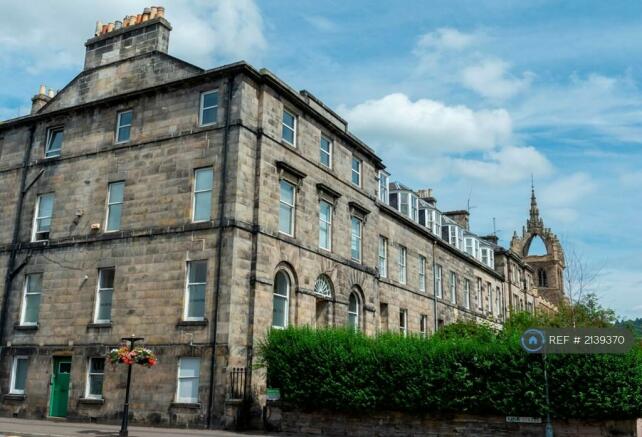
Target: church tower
[{"x": 542, "y": 250}]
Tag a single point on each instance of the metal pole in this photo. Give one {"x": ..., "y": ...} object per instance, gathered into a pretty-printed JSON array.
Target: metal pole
[
  {"x": 549, "y": 424},
  {"x": 123, "y": 427}
]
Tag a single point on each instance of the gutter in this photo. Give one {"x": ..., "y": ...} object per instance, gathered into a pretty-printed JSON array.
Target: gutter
[
  {"x": 434, "y": 286},
  {"x": 15, "y": 242},
  {"x": 219, "y": 251}
]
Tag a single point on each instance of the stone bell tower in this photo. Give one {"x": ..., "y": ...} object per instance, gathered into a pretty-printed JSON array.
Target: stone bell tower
[{"x": 549, "y": 266}]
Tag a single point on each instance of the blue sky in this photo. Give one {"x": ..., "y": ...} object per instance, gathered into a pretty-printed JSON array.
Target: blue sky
[{"x": 467, "y": 97}]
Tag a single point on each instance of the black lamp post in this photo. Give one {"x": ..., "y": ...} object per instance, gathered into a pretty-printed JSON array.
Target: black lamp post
[{"x": 123, "y": 427}]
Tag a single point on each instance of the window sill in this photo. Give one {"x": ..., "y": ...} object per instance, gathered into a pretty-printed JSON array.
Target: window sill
[
  {"x": 18, "y": 327},
  {"x": 91, "y": 401},
  {"x": 187, "y": 405},
  {"x": 102, "y": 325},
  {"x": 191, "y": 323},
  {"x": 13, "y": 397}
]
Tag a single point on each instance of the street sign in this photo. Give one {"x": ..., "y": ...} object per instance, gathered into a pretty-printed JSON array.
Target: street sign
[
  {"x": 523, "y": 419},
  {"x": 273, "y": 394}
]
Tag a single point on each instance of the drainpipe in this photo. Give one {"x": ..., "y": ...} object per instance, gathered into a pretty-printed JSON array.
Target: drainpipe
[
  {"x": 219, "y": 250},
  {"x": 255, "y": 243},
  {"x": 15, "y": 242},
  {"x": 434, "y": 287}
]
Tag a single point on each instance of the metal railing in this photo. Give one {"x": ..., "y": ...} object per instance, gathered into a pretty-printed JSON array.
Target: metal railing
[{"x": 237, "y": 388}]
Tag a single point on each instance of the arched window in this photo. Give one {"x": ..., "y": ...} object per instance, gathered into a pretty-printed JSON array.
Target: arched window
[
  {"x": 354, "y": 311},
  {"x": 541, "y": 278},
  {"x": 537, "y": 247},
  {"x": 323, "y": 286},
  {"x": 280, "y": 300}
]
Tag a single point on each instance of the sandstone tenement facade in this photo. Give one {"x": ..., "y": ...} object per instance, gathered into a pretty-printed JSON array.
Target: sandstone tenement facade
[{"x": 197, "y": 209}]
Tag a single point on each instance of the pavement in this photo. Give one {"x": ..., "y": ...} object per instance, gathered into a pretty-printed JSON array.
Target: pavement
[{"x": 38, "y": 428}]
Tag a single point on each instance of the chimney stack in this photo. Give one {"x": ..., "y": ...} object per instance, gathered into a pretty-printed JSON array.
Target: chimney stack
[
  {"x": 134, "y": 35},
  {"x": 40, "y": 99},
  {"x": 425, "y": 194},
  {"x": 460, "y": 217}
]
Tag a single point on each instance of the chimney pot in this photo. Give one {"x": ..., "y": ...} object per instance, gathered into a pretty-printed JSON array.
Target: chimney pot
[
  {"x": 99, "y": 27},
  {"x": 51, "y": 93},
  {"x": 118, "y": 25},
  {"x": 161, "y": 11},
  {"x": 42, "y": 91},
  {"x": 153, "y": 12},
  {"x": 110, "y": 27}
]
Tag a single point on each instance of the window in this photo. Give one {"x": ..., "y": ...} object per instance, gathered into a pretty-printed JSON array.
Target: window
[
  {"x": 42, "y": 217},
  {"x": 31, "y": 299},
  {"x": 542, "y": 281},
  {"x": 286, "y": 211},
  {"x": 115, "y": 196},
  {"x": 422, "y": 273},
  {"x": 403, "y": 322},
  {"x": 325, "y": 225},
  {"x": 408, "y": 205},
  {"x": 383, "y": 257},
  {"x": 414, "y": 207},
  {"x": 498, "y": 301},
  {"x": 19, "y": 375},
  {"x": 490, "y": 296},
  {"x": 124, "y": 126},
  {"x": 188, "y": 380},
  {"x": 480, "y": 295},
  {"x": 436, "y": 223},
  {"x": 467, "y": 293},
  {"x": 355, "y": 239},
  {"x": 326, "y": 152},
  {"x": 469, "y": 246},
  {"x": 95, "y": 377},
  {"x": 423, "y": 325},
  {"x": 195, "y": 290},
  {"x": 356, "y": 171},
  {"x": 488, "y": 258},
  {"x": 209, "y": 107},
  {"x": 54, "y": 142},
  {"x": 439, "y": 286},
  {"x": 323, "y": 286},
  {"x": 353, "y": 311},
  {"x": 280, "y": 300},
  {"x": 491, "y": 306},
  {"x": 288, "y": 130},
  {"x": 453, "y": 287},
  {"x": 403, "y": 254},
  {"x": 104, "y": 295},
  {"x": 203, "y": 183},
  {"x": 383, "y": 186}
]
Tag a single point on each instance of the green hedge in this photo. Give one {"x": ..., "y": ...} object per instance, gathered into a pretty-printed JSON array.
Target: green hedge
[{"x": 463, "y": 369}]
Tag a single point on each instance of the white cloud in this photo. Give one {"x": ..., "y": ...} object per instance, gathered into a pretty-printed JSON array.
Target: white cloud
[
  {"x": 606, "y": 105},
  {"x": 567, "y": 190},
  {"x": 427, "y": 126},
  {"x": 507, "y": 164},
  {"x": 446, "y": 38},
  {"x": 491, "y": 78},
  {"x": 321, "y": 23},
  {"x": 50, "y": 36}
]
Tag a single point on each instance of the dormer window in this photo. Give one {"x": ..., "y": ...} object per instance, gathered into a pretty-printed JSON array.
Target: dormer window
[
  {"x": 408, "y": 204},
  {"x": 488, "y": 257},
  {"x": 383, "y": 186},
  {"x": 54, "y": 142}
]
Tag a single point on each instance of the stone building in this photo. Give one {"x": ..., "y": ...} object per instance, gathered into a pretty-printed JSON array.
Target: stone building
[{"x": 198, "y": 209}]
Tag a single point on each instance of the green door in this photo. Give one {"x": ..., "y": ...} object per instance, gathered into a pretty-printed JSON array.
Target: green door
[{"x": 60, "y": 386}]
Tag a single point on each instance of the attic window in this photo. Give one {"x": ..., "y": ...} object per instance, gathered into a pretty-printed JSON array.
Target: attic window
[{"x": 54, "y": 142}]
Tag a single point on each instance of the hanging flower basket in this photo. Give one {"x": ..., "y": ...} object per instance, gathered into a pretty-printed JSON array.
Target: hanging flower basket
[{"x": 139, "y": 355}]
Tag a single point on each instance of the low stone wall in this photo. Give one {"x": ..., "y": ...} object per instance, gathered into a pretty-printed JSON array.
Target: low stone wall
[{"x": 400, "y": 424}]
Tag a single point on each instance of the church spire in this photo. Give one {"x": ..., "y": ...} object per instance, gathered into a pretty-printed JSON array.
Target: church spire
[
  {"x": 534, "y": 224},
  {"x": 534, "y": 208}
]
